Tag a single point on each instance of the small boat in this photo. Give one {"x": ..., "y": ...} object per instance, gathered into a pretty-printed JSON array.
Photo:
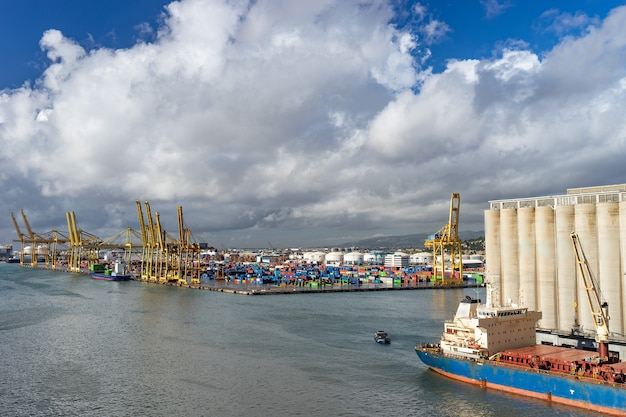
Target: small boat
[
  {"x": 382, "y": 337},
  {"x": 102, "y": 272}
]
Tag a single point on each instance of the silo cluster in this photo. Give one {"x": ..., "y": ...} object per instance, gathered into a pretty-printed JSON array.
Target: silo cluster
[{"x": 529, "y": 255}]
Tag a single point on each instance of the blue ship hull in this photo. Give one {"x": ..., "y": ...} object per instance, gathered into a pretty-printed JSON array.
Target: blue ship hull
[
  {"x": 604, "y": 397},
  {"x": 105, "y": 277}
]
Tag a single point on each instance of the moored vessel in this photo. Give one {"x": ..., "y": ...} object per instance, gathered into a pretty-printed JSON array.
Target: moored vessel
[
  {"x": 495, "y": 347},
  {"x": 560, "y": 374},
  {"x": 102, "y": 272}
]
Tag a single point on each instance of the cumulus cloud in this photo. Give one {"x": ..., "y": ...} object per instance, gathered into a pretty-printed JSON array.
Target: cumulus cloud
[{"x": 312, "y": 119}]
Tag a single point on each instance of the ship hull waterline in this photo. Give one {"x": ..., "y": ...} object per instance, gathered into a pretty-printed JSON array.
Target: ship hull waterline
[
  {"x": 603, "y": 397},
  {"x": 104, "y": 277}
]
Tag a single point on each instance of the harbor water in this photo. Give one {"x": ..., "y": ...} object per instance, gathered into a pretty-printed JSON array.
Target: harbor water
[{"x": 73, "y": 346}]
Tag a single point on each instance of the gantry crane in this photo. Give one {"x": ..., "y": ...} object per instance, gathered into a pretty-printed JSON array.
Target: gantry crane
[
  {"x": 21, "y": 238},
  {"x": 83, "y": 245},
  {"x": 127, "y": 241},
  {"x": 165, "y": 258},
  {"x": 447, "y": 240},
  {"x": 45, "y": 245},
  {"x": 599, "y": 310},
  {"x": 189, "y": 253},
  {"x": 155, "y": 261},
  {"x": 153, "y": 247},
  {"x": 54, "y": 243},
  {"x": 147, "y": 243},
  {"x": 33, "y": 239},
  {"x": 168, "y": 255}
]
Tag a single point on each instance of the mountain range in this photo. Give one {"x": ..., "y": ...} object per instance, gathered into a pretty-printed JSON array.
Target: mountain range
[{"x": 405, "y": 241}]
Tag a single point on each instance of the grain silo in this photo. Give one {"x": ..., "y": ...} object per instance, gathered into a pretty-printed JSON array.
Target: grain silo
[{"x": 529, "y": 254}]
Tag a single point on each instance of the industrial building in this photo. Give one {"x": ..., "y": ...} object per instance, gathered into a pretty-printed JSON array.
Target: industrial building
[{"x": 530, "y": 256}]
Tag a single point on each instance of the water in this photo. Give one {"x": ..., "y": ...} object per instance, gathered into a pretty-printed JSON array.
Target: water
[{"x": 73, "y": 346}]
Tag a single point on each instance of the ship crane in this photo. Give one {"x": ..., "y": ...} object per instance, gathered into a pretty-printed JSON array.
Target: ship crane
[
  {"x": 599, "y": 310},
  {"x": 447, "y": 238}
]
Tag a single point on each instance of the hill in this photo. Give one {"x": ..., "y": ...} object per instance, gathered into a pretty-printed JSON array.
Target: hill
[{"x": 405, "y": 241}]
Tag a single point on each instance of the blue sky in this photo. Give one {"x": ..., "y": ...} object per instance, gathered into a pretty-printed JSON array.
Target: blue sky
[
  {"x": 476, "y": 28},
  {"x": 303, "y": 124}
]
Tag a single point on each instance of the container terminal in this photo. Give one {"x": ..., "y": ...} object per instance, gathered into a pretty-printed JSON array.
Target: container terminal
[{"x": 153, "y": 255}]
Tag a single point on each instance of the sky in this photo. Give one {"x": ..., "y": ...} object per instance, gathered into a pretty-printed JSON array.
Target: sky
[{"x": 276, "y": 123}]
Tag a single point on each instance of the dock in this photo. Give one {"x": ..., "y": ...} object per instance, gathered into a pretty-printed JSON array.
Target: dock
[{"x": 271, "y": 289}]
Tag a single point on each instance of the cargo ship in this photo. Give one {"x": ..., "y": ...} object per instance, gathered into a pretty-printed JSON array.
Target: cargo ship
[
  {"x": 496, "y": 347},
  {"x": 102, "y": 272}
]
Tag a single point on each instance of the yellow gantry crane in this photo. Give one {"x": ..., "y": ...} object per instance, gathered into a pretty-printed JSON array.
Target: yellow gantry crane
[
  {"x": 83, "y": 245},
  {"x": 55, "y": 244},
  {"x": 21, "y": 238},
  {"x": 33, "y": 239},
  {"x": 446, "y": 241},
  {"x": 73, "y": 252},
  {"x": 165, "y": 258},
  {"x": 46, "y": 246},
  {"x": 189, "y": 253},
  {"x": 146, "y": 253}
]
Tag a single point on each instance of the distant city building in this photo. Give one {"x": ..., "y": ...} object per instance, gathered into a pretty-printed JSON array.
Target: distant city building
[
  {"x": 397, "y": 259},
  {"x": 421, "y": 258},
  {"x": 373, "y": 258},
  {"x": 6, "y": 251}
]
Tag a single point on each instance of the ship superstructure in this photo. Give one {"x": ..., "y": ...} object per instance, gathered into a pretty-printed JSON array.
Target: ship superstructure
[
  {"x": 495, "y": 347},
  {"x": 481, "y": 330}
]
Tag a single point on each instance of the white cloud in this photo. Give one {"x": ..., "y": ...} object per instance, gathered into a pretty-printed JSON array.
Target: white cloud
[
  {"x": 312, "y": 118},
  {"x": 564, "y": 23},
  {"x": 434, "y": 31},
  {"x": 494, "y": 8}
]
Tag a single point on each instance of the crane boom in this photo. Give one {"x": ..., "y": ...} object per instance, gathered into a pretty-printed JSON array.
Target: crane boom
[
  {"x": 30, "y": 231},
  {"x": 599, "y": 310}
]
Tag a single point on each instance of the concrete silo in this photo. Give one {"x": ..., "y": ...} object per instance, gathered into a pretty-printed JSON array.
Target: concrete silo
[
  {"x": 566, "y": 277},
  {"x": 509, "y": 248},
  {"x": 529, "y": 255},
  {"x": 546, "y": 267}
]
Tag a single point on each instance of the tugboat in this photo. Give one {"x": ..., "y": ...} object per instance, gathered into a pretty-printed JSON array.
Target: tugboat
[{"x": 382, "y": 337}]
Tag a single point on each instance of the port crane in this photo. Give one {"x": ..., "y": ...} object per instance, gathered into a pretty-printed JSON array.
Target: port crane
[
  {"x": 166, "y": 258},
  {"x": 146, "y": 254},
  {"x": 83, "y": 245},
  {"x": 33, "y": 239},
  {"x": 599, "y": 310},
  {"x": 46, "y": 245},
  {"x": 126, "y": 241},
  {"x": 21, "y": 236},
  {"x": 447, "y": 240},
  {"x": 188, "y": 253}
]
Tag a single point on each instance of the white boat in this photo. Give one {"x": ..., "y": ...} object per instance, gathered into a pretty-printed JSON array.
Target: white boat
[{"x": 382, "y": 337}]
